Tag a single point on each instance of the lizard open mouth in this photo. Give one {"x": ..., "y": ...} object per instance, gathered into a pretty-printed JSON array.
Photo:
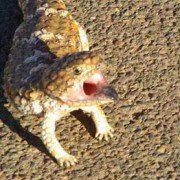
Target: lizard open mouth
[
  {"x": 94, "y": 84},
  {"x": 94, "y": 89},
  {"x": 89, "y": 88}
]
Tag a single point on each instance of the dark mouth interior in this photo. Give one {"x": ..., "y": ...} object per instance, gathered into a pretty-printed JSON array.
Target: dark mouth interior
[{"x": 89, "y": 88}]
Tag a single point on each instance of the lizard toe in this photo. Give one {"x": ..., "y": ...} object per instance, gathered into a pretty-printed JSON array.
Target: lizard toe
[{"x": 67, "y": 161}]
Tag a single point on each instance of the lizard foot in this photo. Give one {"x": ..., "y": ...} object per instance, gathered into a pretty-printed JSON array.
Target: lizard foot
[
  {"x": 67, "y": 160},
  {"x": 104, "y": 132}
]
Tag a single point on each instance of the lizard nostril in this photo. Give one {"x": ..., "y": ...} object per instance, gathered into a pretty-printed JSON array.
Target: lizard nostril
[{"x": 89, "y": 88}]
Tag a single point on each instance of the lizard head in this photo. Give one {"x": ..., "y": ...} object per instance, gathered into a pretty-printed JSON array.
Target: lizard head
[{"x": 77, "y": 79}]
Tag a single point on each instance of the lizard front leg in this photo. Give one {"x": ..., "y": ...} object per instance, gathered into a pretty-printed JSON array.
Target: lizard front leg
[
  {"x": 103, "y": 129},
  {"x": 51, "y": 142}
]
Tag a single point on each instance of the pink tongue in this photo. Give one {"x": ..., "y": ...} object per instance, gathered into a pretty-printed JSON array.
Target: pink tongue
[{"x": 89, "y": 88}]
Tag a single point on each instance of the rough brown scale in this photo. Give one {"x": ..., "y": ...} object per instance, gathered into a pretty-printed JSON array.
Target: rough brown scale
[{"x": 48, "y": 59}]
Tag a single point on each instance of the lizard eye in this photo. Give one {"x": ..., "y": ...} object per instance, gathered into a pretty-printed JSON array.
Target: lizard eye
[{"x": 77, "y": 71}]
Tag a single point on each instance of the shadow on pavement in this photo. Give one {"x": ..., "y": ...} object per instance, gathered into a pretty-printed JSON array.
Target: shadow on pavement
[
  {"x": 86, "y": 121},
  {"x": 15, "y": 126}
]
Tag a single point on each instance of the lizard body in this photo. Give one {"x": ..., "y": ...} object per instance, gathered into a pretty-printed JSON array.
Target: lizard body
[{"x": 51, "y": 72}]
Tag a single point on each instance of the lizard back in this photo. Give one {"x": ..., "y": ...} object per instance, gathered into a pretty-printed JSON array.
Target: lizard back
[{"x": 47, "y": 34}]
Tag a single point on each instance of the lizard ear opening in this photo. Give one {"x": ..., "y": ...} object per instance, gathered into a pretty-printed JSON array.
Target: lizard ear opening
[{"x": 89, "y": 88}]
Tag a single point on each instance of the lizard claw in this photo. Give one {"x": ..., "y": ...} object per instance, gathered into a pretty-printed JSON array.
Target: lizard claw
[
  {"x": 104, "y": 133},
  {"x": 67, "y": 160}
]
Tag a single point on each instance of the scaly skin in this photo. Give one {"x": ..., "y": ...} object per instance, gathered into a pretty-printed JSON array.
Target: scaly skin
[{"x": 51, "y": 72}]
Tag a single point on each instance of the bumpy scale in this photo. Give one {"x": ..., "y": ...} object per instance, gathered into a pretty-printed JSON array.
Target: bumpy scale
[{"x": 51, "y": 72}]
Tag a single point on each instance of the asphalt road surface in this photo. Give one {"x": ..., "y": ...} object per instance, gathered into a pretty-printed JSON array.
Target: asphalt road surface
[{"x": 139, "y": 41}]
